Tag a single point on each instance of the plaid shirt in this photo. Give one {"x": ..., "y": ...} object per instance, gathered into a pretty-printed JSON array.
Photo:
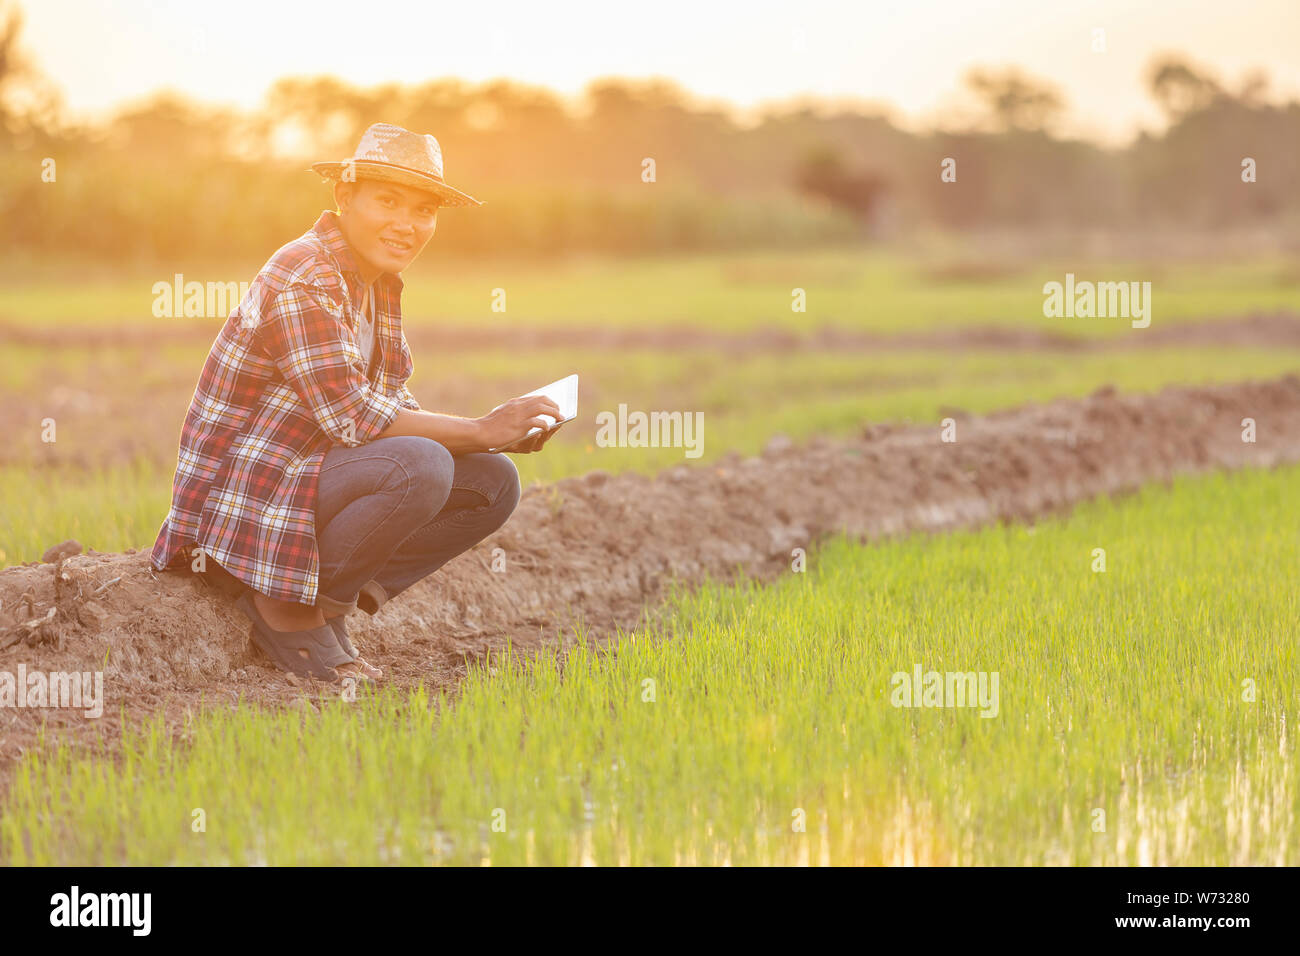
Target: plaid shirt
[{"x": 283, "y": 383}]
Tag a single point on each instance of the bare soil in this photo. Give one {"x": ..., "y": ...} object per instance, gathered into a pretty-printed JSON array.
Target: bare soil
[{"x": 604, "y": 549}]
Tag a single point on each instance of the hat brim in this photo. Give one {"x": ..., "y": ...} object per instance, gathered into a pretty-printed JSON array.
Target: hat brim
[{"x": 388, "y": 173}]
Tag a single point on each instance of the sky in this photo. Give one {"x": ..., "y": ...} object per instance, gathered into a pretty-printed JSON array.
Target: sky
[{"x": 908, "y": 56}]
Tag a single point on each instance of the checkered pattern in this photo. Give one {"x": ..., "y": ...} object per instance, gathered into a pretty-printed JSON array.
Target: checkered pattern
[{"x": 283, "y": 382}]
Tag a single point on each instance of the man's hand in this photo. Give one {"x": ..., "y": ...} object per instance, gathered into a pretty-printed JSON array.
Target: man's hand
[
  {"x": 536, "y": 442},
  {"x": 512, "y": 421}
]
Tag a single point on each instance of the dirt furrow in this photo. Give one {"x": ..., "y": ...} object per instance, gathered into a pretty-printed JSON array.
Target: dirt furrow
[{"x": 603, "y": 548}]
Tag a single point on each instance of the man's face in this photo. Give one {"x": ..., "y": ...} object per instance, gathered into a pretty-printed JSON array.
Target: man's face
[{"x": 386, "y": 224}]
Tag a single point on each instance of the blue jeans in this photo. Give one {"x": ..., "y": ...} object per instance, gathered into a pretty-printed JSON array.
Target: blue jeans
[{"x": 393, "y": 511}]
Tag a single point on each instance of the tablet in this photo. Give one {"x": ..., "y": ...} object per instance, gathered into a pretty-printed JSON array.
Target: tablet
[{"x": 563, "y": 393}]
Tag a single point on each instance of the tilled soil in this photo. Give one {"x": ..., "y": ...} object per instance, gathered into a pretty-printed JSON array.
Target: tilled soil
[{"x": 604, "y": 549}]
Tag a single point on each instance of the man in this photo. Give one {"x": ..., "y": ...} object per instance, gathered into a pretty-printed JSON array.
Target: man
[{"x": 307, "y": 471}]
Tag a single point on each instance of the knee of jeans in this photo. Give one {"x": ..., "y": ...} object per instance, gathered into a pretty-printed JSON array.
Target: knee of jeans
[
  {"x": 507, "y": 477},
  {"x": 428, "y": 469}
]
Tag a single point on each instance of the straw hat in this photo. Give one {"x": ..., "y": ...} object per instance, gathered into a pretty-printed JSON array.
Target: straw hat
[{"x": 395, "y": 155}]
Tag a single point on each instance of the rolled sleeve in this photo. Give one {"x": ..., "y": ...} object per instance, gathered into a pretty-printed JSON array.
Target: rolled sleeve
[
  {"x": 407, "y": 400},
  {"x": 308, "y": 339},
  {"x": 406, "y": 366}
]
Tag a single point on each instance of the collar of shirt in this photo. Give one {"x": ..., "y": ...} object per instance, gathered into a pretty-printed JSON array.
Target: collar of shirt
[{"x": 389, "y": 285}]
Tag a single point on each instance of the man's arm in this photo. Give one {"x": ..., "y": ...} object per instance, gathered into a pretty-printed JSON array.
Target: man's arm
[
  {"x": 457, "y": 435},
  {"x": 498, "y": 427},
  {"x": 303, "y": 335}
]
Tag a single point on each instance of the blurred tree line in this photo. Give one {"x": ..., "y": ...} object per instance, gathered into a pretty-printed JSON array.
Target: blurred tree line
[{"x": 171, "y": 177}]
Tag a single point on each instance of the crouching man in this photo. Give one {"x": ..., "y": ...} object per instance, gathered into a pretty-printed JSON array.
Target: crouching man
[{"x": 307, "y": 472}]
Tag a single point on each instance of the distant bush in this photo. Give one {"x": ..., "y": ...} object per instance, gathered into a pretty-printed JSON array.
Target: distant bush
[
  {"x": 115, "y": 209},
  {"x": 169, "y": 177}
]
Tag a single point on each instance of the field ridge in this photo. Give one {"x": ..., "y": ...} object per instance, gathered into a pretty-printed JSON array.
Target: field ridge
[{"x": 605, "y": 550}]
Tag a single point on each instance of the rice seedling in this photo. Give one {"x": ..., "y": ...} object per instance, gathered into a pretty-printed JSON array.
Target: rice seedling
[{"x": 1139, "y": 716}]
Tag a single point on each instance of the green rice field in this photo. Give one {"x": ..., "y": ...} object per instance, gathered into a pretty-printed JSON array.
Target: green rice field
[{"x": 1143, "y": 715}]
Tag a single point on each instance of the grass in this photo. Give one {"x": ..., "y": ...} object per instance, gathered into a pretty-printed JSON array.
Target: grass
[
  {"x": 1122, "y": 692},
  {"x": 865, "y": 288},
  {"x": 109, "y": 509}
]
